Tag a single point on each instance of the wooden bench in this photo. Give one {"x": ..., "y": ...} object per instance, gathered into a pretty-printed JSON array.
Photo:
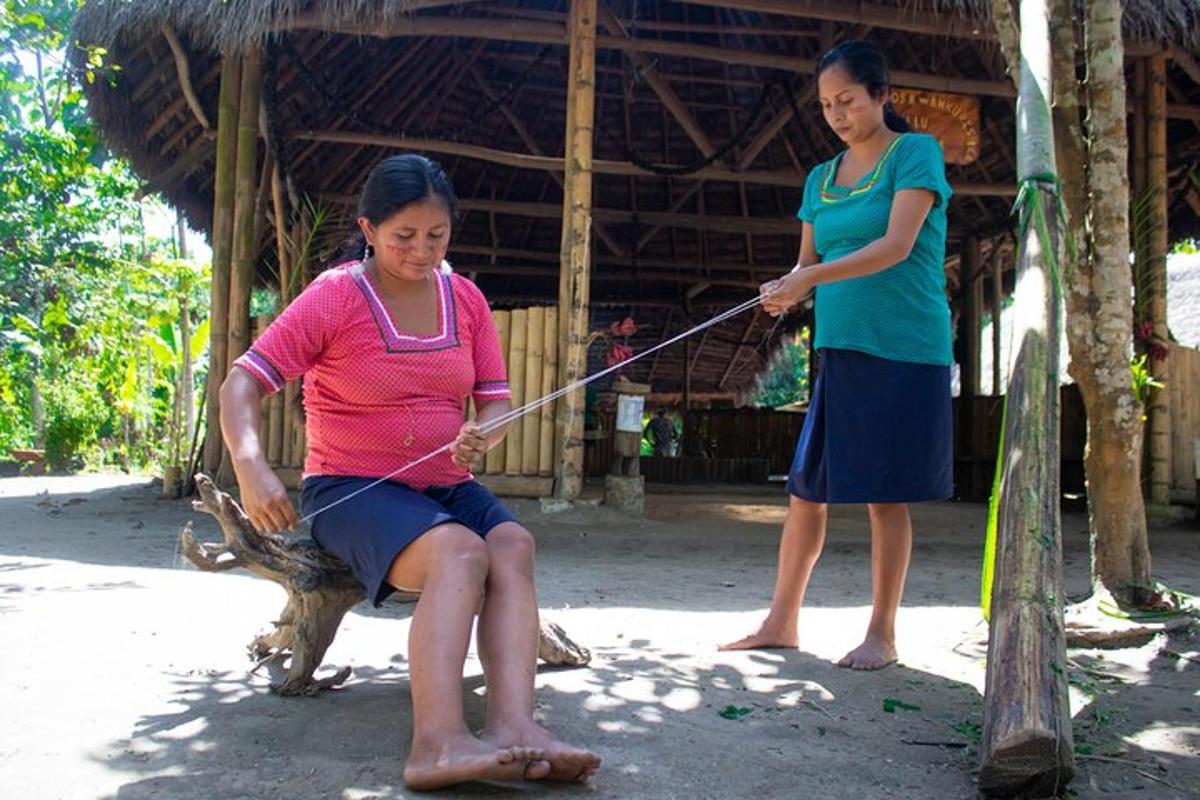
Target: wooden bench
[{"x": 320, "y": 590}]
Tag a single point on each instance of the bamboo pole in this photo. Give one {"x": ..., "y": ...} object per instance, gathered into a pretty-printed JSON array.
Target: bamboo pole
[
  {"x": 549, "y": 375},
  {"x": 1156, "y": 277},
  {"x": 222, "y": 244},
  {"x": 575, "y": 276},
  {"x": 246, "y": 191},
  {"x": 1026, "y": 745},
  {"x": 496, "y": 456},
  {"x": 245, "y": 202},
  {"x": 531, "y": 424},
  {"x": 517, "y": 343}
]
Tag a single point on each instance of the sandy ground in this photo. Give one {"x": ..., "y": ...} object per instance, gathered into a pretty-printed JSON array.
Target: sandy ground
[{"x": 124, "y": 672}]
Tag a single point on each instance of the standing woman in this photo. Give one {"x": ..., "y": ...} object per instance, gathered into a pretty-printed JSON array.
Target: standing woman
[
  {"x": 390, "y": 347},
  {"x": 878, "y": 429}
]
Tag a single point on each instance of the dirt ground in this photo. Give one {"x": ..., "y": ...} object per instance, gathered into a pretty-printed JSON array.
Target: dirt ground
[{"x": 124, "y": 672}]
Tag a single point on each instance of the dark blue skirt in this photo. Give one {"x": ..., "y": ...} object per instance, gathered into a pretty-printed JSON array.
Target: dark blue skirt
[
  {"x": 369, "y": 530},
  {"x": 877, "y": 431}
]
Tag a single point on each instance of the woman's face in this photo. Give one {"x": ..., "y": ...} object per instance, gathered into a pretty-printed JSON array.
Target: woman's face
[
  {"x": 411, "y": 243},
  {"x": 850, "y": 109}
]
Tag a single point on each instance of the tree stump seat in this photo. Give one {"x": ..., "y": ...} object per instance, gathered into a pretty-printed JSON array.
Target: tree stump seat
[{"x": 320, "y": 590}]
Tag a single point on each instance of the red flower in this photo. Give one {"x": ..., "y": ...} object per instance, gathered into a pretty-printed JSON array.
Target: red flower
[{"x": 626, "y": 327}]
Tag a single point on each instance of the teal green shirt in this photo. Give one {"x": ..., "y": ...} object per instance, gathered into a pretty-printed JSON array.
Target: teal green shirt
[{"x": 900, "y": 313}]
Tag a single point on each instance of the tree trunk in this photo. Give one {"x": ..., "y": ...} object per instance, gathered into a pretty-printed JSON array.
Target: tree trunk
[
  {"x": 222, "y": 245},
  {"x": 1026, "y": 745},
  {"x": 1100, "y": 321},
  {"x": 576, "y": 256},
  {"x": 320, "y": 588}
]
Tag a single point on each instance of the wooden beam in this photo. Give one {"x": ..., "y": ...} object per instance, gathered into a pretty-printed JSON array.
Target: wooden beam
[
  {"x": 184, "y": 72},
  {"x": 737, "y": 353},
  {"x": 523, "y": 132},
  {"x": 551, "y": 33},
  {"x": 574, "y": 289},
  {"x": 726, "y": 224},
  {"x": 547, "y": 163},
  {"x": 1185, "y": 62},
  {"x": 649, "y": 73}
]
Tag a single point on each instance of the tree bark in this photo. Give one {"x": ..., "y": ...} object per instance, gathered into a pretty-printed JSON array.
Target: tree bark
[
  {"x": 320, "y": 589},
  {"x": 1026, "y": 745},
  {"x": 1100, "y": 321}
]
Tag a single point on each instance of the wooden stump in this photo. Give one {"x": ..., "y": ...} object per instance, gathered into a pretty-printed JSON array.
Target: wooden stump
[{"x": 320, "y": 590}]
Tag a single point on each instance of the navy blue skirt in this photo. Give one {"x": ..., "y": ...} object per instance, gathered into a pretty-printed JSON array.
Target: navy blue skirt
[
  {"x": 369, "y": 530},
  {"x": 877, "y": 431}
]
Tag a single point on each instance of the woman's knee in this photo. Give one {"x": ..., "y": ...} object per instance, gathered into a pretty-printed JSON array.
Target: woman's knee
[
  {"x": 511, "y": 545},
  {"x": 455, "y": 547}
]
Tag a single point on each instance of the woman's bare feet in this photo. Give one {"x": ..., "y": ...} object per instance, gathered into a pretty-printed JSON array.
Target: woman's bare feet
[
  {"x": 567, "y": 763},
  {"x": 437, "y": 765},
  {"x": 875, "y": 652},
  {"x": 766, "y": 638}
]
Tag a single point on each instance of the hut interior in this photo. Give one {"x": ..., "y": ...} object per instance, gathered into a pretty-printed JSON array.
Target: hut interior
[{"x": 706, "y": 123}]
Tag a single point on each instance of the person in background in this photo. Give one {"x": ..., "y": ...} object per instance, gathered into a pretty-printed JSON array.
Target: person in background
[{"x": 878, "y": 428}]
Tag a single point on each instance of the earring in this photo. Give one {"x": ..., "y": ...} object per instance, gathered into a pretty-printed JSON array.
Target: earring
[{"x": 370, "y": 250}]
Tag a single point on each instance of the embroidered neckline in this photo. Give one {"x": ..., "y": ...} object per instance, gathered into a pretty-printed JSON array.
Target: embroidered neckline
[
  {"x": 397, "y": 342},
  {"x": 831, "y": 193}
]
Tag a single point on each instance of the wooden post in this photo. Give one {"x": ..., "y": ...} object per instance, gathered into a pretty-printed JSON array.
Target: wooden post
[
  {"x": 246, "y": 191},
  {"x": 282, "y": 245},
  {"x": 516, "y": 383},
  {"x": 1026, "y": 745},
  {"x": 968, "y": 266},
  {"x": 1155, "y": 279},
  {"x": 245, "y": 202},
  {"x": 997, "y": 313},
  {"x": 531, "y": 424},
  {"x": 549, "y": 375},
  {"x": 494, "y": 464},
  {"x": 222, "y": 243},
  {"x": 575, "y": 254}
]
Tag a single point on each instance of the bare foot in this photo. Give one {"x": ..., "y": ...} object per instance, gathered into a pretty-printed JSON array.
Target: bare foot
[
  {"x": 874, "y": 653},
  {"x": 567, "y": 763},
  {"x": 764, "y": 639},
  {"x": 465, "y": 758}
]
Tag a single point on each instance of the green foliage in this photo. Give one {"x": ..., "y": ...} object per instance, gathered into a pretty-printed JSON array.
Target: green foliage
[
  {"x": 786, "y": 377},
  {"x": 89, "y": 303},
  {"x": 1143, "y": 381}
]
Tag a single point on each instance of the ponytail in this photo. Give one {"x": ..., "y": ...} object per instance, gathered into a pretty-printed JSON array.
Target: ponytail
[{"x": 894, "y": 119}]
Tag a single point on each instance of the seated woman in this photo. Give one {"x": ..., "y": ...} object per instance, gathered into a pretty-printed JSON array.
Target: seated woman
[{"x": 389, "y": 348}]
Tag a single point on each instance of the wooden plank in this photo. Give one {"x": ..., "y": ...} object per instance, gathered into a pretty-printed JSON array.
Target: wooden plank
[
  {"x": 519, "y": 485},
  {"x": 531, "y": 424},
  {"x": 549, "y": 378},
  {"x": 1159, "y": 412},
  {"x": 494, "y": 462},
  {"x": 516, "y": 384}
]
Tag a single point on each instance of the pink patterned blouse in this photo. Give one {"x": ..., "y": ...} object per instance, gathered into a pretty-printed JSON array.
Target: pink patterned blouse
[{"x": 376, "y": 398}]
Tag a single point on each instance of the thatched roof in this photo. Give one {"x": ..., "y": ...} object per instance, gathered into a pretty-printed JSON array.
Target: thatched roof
[{"x": 350, "y": 81}]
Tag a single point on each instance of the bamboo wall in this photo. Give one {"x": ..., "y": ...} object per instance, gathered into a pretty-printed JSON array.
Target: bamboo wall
[
  {"x": 1183, "y": 388},
  {"x": 281, "y": 424},
  {"x": 529, "y": 342}
]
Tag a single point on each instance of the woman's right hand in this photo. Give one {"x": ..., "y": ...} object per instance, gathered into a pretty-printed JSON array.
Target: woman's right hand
[{"x": 265, "y": 498}]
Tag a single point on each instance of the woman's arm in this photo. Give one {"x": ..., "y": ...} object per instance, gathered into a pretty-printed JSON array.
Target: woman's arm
[
  {"x": 909, "y": 209},
  {"x": 264, "y": 496}
]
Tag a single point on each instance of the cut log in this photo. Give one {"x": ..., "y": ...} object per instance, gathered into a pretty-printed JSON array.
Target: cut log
[{"x": 320, "y": 590}]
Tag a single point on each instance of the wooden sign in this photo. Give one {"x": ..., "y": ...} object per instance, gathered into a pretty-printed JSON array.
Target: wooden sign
[{"x": 952, "y": 118}]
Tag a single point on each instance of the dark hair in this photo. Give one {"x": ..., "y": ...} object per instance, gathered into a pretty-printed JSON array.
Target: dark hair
[
  {"x": 395, "y": 183},
  {"x": 867, "y": 65}
]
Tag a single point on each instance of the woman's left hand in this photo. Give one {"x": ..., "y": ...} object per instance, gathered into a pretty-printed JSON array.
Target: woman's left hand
[
  {"x": 781, "y": 294},
  {"x": 469, "y": 447}
]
